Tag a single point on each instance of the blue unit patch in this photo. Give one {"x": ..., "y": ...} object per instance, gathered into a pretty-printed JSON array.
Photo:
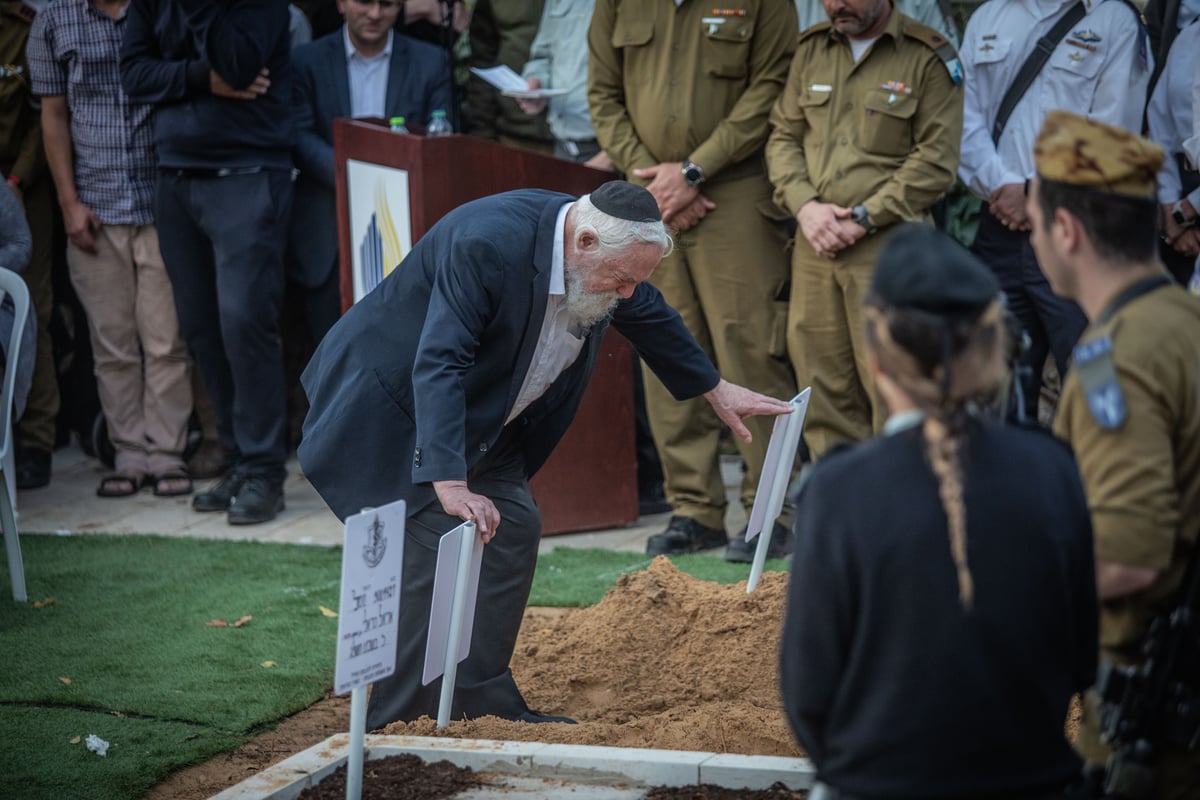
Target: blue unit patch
[{"x": 1098, "y": 377}]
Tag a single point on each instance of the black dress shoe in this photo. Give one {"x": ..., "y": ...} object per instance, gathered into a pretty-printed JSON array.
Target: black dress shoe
[
  {"x": 219, "y": 496},
  {"x": 536, "y": 717},
  {"x": 258, "y": 500},
  {"x": 33, "y": 467},
  {"x": 742, "y": 552},
  {"x": 685, "y": 535}
]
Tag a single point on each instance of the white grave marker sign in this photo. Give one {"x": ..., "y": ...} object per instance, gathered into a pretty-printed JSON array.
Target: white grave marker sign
[{"x": 369, "y": 615}]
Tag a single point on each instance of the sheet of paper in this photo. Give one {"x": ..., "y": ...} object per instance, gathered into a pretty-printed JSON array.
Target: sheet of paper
[
  {"x": 503, "y": 78},
  {"x": 533, "y": 94}
]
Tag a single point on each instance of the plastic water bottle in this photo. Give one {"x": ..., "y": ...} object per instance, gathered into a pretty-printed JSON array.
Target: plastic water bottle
[
  {"x": 439, "y": 125},
  {"x": 397, "y": 125}
]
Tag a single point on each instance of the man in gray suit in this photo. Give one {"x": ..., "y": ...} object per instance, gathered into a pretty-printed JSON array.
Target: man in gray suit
[{"x": 363, "y": 69}]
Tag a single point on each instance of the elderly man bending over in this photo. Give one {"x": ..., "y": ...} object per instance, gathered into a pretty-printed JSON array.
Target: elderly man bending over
[{"x": 450, "y": 384}]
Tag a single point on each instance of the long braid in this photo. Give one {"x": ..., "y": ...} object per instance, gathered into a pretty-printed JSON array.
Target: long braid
[{"x": 946, "y": 368}]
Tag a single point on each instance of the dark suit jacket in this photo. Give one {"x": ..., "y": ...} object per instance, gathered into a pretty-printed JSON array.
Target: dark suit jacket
[
  {"x": 418, "y": 84},
  {"x": 414, "y": 383}
]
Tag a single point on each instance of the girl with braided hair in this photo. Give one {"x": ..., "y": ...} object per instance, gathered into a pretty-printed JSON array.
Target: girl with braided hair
[{"x": 942, "y": 605}]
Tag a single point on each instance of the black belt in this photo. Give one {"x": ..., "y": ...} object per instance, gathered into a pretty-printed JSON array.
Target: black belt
[{"x": 200, "y": 172}]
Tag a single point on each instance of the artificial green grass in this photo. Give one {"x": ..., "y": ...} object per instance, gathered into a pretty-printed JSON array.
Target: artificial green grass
[
  {"x": 124, "y": 651},
  {"x": 572, "y": 577},
  {"x": 127, "y": 633}
]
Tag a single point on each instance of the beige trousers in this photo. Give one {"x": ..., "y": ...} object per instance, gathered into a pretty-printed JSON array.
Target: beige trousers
[{"x": 143, "y": 373}]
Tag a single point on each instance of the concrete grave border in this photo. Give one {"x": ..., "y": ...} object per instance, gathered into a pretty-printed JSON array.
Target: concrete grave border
[{"x": 648, "y": 767}]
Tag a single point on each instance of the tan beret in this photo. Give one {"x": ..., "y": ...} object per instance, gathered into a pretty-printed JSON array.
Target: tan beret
[{"x": 1078, "y": 151}]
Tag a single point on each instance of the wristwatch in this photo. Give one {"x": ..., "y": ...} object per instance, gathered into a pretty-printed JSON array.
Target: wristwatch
[
  {"x": 1177, "y": 215},
  {"x": 692, "y": 173},
  {"x": 859, "y": 215}
]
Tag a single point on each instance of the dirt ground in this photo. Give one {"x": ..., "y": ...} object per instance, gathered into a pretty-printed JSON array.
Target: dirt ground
[{"x": 664, "y": 660}]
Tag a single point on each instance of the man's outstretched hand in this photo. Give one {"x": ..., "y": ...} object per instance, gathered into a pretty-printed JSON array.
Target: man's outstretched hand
[
  {"x": 459, "y": 501},
  {"x": 734, "y": 403}
]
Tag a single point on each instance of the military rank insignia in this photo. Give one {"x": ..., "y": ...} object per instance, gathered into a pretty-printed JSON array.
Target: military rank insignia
[{"x": 1098, "y": 377}]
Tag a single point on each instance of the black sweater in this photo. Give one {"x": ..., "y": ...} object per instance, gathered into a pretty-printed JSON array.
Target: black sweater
[
  {"x": 169, "y": 49},
  {"x": 893, "y": 689}
]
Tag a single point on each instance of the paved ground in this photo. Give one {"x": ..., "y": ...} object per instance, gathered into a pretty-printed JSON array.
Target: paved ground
[{"x": 70, "y": 505}]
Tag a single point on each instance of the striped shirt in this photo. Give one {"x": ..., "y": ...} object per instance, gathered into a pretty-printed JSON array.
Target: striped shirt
[{"x": 74, "y": 50}]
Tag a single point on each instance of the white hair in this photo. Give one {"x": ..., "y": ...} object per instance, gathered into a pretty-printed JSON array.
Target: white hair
[{"x": 615, "y": 234}]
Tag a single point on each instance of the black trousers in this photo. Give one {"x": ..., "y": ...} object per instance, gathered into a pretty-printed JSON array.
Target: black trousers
[
  {"x": 484, "y": 683},
  {"x": 1053, "y": 323},
  {"x": 223, "y": 241}
]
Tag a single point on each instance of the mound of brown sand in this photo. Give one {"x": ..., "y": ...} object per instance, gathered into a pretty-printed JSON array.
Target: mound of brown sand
[{"x": 664, "y": 660}]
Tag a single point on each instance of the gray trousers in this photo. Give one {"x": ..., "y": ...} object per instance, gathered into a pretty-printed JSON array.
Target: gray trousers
[{"x": 484, "y": 684}]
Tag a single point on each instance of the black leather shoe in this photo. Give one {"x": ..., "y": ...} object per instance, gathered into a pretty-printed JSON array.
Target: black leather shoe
[
  {"x": 534, "y": 716},
  {"x": 258, "y": 500},
  {"x": 742, "y": 552},
  {"x": 33, "y": 467},
  {"x": 219, "y": 496},
  {"x": 685, "y": 535}
]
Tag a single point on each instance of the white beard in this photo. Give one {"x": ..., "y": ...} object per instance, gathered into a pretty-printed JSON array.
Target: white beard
[{"x": 587, "y": 308}]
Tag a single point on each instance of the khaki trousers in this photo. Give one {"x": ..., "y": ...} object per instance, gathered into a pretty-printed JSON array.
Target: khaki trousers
[
  {"x": 827, "y": 343},
  {"x": 724, "y": 279},
  {"x": 143, "y": 373}
]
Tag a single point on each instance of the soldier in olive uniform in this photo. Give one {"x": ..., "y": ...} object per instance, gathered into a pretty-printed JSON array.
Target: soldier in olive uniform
[
  {"x": 865, "y": 135},
  {"x": 679, "y": 95},
  {"x": 23, "y": 161},
  {"x": 501, "y": 33},
  {"x": 1131, "y": 404}
]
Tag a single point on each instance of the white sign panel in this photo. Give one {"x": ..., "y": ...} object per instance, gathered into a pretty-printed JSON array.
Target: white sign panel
[
  {"x": 380, "y": 222},
  {"x": 369, "y": 615},
  {"x": 445, "y": 580},
  {"x": 777, "y": 466}
]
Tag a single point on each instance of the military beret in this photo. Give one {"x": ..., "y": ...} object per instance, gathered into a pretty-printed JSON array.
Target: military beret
[
  {"x": 924, "y": 269},
  {"x": 625, "y": 200},
  {"x": 1081, "y": 152}
]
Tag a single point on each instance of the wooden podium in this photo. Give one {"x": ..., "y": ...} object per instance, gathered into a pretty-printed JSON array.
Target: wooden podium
[{"x": 590, "y": 481}]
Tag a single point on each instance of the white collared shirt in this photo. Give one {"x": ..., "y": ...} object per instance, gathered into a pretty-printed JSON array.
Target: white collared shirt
[
  {"x": 1171, "y": 114},
  {"x": 1100, "y": 70},
  {"x": 557, "y": 347},
  {"x": 368, "y": 78}
]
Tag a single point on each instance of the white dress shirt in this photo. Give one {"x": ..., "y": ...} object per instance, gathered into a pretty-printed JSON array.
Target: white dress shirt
[
  {"x": 1170, "y": 113},
  {"x": 368, "y": 78},
  {"x": 1100, "y": 70},
  {"x": 557, "y": 347},
  {"x": 1192, "y": 145}
]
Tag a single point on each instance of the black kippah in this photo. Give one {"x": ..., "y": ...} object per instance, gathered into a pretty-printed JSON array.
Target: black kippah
[
  {"x": 924, "y": 269},
  {"x": 625, "y": 200}
]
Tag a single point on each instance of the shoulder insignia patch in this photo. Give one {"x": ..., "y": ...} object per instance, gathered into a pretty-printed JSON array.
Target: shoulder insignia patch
[
  {"x": 1098, "y": 378},
  {"x": 938, "y": 44}
]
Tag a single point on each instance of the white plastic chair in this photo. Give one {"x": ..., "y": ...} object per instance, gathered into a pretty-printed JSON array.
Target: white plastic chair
[{"x": 12, "y": 285}]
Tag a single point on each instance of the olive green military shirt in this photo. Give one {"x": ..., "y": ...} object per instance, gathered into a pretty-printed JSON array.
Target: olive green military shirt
[
  {"x": 884, "y": 132},
  {"x": 669, "y": 83},
  {"x": 1142, "y": 476},
  {"x": 21, "y": 152}
]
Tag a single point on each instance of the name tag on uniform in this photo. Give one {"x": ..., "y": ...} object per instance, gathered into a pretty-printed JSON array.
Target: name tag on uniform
[
  {"x": 1098, "y": 377},
  {"x": 820, "y": 87}
]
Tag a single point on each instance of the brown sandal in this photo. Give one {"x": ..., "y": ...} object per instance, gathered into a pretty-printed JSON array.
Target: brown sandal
[{"x": 120, "y": 484}]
